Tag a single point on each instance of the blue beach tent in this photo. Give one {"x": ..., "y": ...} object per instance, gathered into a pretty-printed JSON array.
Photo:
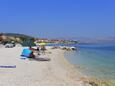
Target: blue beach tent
[{"x": 26, "y": 53}]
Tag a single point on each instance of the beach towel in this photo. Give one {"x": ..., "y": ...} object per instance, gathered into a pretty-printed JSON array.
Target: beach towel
[{"x": 26, "y": 53}]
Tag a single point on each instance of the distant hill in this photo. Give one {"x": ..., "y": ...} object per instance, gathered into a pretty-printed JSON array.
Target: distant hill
[
  {"x": 17, "y": 35},
  {"x": 86, "y": 40},
  {"x": 14, "y": 37},
  {"x": 24, "y": 40}
]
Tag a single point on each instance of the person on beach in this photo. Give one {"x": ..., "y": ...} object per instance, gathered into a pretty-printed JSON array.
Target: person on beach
[
  {"x": 35, "y": 50},
  {"x": 43, "y": 49},
  {"x": 31, "y": 55},
  {"x": 38, "y": 50}
]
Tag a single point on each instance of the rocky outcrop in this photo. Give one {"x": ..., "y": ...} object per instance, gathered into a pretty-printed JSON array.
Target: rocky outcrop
[{"x": 9, "y": 38}]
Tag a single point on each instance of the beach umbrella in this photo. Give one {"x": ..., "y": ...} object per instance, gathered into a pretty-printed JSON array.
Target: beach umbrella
[{"x": 42, "y": 43}]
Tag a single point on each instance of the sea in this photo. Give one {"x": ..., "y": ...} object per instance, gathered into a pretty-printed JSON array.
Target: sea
[{"x": 94, "y": 60}]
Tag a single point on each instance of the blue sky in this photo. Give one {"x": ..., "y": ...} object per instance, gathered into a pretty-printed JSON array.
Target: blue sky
[{"x": 58, "y": 18}]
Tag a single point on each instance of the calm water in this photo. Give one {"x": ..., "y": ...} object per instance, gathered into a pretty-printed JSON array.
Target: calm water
[{"x": 94, "y": 60}]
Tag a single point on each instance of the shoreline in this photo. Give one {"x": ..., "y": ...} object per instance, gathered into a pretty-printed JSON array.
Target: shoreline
[
  {"x": 75, "y": 74},
  {"x": 90, "y": 79},
  {"x": 71, "y": 75},
  {"x": 69, "y": 66}
]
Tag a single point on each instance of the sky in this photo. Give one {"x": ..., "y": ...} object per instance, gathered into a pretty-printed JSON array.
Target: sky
[{"x": 58, "y": 18}]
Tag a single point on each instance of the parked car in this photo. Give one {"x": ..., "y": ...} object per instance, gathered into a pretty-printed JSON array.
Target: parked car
[{"x": 9, "y": 45}]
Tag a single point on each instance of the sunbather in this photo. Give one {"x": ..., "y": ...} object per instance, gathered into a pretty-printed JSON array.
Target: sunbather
[
  {"x": 35, "y": 50},
  {"x": 31, "y": 55}
]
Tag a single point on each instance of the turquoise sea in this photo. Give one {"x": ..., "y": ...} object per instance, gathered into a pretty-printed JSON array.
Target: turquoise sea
[{"x": 95, "y": 60}]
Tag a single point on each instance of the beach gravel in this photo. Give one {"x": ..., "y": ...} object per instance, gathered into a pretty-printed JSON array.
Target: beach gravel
[{"x": 56, "y": 72}]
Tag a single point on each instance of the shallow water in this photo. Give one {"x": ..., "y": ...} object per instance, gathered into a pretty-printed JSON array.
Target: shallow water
[{"x": 94, "y": 60}]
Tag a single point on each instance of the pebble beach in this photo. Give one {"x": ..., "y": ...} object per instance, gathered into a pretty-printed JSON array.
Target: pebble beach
[{"x": 25, "y": 72}]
